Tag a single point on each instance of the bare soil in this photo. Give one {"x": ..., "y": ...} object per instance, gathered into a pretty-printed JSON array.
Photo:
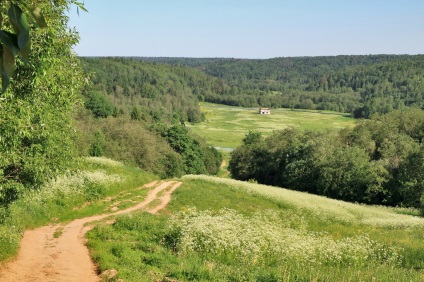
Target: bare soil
[{"x": 42, "y": 257}]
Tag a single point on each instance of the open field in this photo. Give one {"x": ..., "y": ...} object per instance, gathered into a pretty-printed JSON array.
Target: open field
[
  {"x": 226, "y": 126},
  {"x": 225, "y": 230}
]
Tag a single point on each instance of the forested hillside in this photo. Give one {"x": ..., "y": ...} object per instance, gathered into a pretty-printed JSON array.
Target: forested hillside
[
  {"x": 135, "y": 112},
  {"x": 361, "y": 85},
  {"x": 147, "y": 91}
]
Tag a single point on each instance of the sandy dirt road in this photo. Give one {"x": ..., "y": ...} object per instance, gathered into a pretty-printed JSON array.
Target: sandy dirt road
[{"x": 42, "y": 257}]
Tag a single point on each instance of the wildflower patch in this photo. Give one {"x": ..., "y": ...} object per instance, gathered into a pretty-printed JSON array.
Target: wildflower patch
[{"x": 270, "y": 237}]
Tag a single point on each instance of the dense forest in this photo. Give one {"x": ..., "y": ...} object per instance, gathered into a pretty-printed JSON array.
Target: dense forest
[
  {"x": 379, "y": 161},
  {"x": 361, "y": 85},
  {"x": 147, "y": 91}
]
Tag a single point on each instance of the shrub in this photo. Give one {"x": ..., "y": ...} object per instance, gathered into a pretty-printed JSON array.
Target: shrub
[{"x": 98, "y": 104}]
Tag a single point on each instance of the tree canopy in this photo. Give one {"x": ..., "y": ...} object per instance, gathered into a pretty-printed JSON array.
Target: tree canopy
[
  {"x": 36, "y": 132},
  {"x": 361, "y": 85},
  {"x": 379, "y": 161}
]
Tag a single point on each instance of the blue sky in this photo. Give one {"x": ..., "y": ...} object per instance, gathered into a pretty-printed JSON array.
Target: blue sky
[{"x": 249, "y": 28}]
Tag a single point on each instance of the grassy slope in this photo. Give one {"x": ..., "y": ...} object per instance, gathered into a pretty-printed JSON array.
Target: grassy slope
[
  {"x": 226, "y": 126},
  {"x": 142, "y": 247},
  {"x": 96, "y": 186}
]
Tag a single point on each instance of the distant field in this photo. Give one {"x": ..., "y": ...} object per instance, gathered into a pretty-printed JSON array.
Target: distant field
[{"x": 226, "y": 126}]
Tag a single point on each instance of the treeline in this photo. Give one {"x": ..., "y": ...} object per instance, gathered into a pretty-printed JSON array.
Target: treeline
[
  {"x": 379, "y": 161},
  {"x": 135, "y": 112},
  {"x": 361, "y": 85}
]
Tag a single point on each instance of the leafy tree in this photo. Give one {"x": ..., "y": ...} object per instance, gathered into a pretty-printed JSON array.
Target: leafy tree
[
  {"x": 99, "y": 105},
  {"x": 349, "y": 175},
  {"x": 97, "y": 148},
  {"x": 15, "y": 33},
  {"x": 379, "y": 161},
  {"x": 189, "y": 148},
  {"x": 252, "y": 138},
  {"x": 135, "y": 114},
  {"x": 36, "y": 117},
  {"x": 411, "y": 180}
]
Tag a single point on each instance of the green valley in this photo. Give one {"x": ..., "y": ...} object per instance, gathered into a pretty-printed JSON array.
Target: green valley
[{"x": 132, "y": 158}]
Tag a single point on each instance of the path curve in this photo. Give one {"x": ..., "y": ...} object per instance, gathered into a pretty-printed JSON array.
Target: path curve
[{"x": 42, "y": 257}]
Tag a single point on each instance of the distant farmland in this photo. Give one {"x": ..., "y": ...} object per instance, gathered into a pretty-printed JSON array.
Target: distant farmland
[{"x": 226, "y": 126}]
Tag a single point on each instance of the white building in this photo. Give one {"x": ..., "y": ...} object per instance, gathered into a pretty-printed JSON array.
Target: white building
[{"x": 264, "y": 111}]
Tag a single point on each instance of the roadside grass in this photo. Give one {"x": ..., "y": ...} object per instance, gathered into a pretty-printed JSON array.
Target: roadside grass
[
  {"x": 225, "y": 126},
  {"x": 94, "y": 186},
  {"x": 225, "y": 230}
]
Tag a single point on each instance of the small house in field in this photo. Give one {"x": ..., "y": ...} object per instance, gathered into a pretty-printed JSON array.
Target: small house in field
[{"x": 264, "y": 111}]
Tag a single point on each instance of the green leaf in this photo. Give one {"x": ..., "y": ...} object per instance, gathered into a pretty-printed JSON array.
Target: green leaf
[
  {"x": 37, "y": 16},
  {"x": 10, "y": 40},
  {"x": 20, "y": 24},
  {"x": 24, "y": 54},
  {"x": 8, "y": 66},
  {"x": 79, "y": 5}
]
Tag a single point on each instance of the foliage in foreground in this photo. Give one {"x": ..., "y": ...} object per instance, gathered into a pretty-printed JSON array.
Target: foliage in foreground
[
  {"x": 69, "y": 196},
  {"x": 225, "y": 230},
  {"x": 36, "y": 110}
]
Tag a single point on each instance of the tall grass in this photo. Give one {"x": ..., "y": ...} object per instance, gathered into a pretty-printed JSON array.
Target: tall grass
[
  {"x": 223, "y": 230},
  {"x": 321, "y": 206},
  {"x": 76, "y": 194}
]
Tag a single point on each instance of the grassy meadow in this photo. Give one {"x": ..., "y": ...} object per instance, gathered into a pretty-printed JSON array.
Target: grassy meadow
[
  {"x": 226, "y": 126},
  {"x": 225, "y": 230}
]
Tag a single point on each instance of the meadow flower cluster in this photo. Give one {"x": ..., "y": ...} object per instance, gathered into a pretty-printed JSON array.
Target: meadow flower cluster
[
  {"x": 70, "y": 185},
  {"x": 321, "y": 206},
  {"x": 104, "y": 161},
  {"x": 271, "y": 237},
  {"x": 65, "y": 191}
]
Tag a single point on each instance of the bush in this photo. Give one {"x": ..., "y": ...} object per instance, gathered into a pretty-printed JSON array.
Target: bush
[
  {"x": 129, "y": 141},
  {"x": 98, "y": 104}
]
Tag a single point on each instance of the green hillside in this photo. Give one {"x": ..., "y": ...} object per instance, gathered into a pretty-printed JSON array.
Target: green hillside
[
  {"x": 362, "y": 85},
  {"x": 156, "y": 93},
  {"x": 135, "y": 112},
  {"x": 224, "y": 230}
]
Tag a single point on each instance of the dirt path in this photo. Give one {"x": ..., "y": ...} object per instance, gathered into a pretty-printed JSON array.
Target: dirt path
[
  {"x": 224, "y": 165},
  {"x": 42, "y": 257}
]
